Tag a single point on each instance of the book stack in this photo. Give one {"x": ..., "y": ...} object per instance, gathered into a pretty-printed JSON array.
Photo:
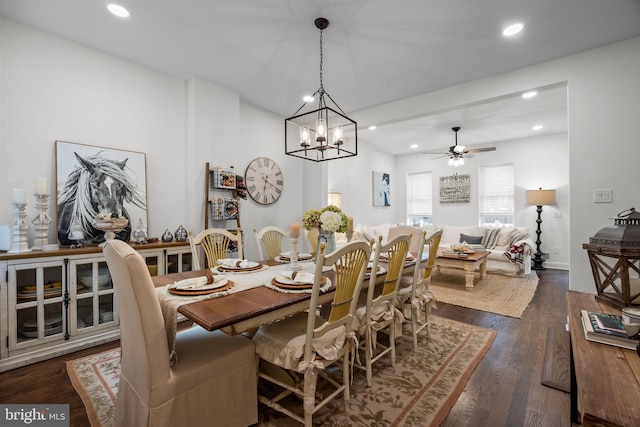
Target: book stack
[{"x": 606, "y": 328}]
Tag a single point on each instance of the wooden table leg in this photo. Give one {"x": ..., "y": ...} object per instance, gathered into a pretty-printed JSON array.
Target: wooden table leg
[
  {"x": 483, "y": 267},
  {"x": 469, "y": 276}
]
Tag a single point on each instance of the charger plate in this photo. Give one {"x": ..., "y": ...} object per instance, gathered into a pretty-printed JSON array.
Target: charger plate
[
  {"x": 196, "y": 292},
  {"x": 301, "y": 257},
  {"x": 293, "y": 285}
]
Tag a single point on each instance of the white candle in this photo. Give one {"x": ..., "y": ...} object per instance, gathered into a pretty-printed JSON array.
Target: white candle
[
  {"x": 42, "y": 187},
  {"x": 19, "y": 196},
  {"x": 350, "y": 223},
  {"x": 294, "y": 229}
]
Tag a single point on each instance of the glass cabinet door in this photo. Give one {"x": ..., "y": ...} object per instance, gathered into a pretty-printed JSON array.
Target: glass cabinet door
[
  {"x": 178, "y": 261},
  {"x": 93, "y": 293},
  {"x": 36, "y": 303},
  {"x": 154, "y": 261}
]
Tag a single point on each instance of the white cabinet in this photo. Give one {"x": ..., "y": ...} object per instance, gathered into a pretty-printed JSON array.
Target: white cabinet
[{"x": 57, "y": 302}]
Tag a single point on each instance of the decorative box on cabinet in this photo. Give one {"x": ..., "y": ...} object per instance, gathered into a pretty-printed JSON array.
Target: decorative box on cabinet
[{"x": 57, "y": 302}]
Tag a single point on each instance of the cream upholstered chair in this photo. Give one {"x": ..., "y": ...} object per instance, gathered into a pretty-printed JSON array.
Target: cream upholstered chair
[
  {"x": 414, "y": 232},
  {"x": 414, "y": 295},
  {"x": 271, "y": 237},
  {"x": 311, "y": 239},
  {"x": 214, "y": 379},
  {"x": 305, "y": 344},
  {"x": 216, "y": 243},
  {"x": 379, "y": 311}
]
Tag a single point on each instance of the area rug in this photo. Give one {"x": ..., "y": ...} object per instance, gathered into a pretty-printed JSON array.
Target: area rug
[
  {"x": 418, "y": 391},
  {"x": 495, "y": 293}
]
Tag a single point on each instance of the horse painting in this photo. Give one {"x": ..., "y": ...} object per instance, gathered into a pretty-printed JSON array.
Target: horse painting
[{"x": 97, "y": 185}]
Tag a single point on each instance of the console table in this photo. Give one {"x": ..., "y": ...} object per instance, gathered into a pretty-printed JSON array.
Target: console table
[{"x": 605, "y": 388}]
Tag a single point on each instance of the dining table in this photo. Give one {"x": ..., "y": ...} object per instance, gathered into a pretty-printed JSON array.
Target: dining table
[{"x": 248, "y": 309}]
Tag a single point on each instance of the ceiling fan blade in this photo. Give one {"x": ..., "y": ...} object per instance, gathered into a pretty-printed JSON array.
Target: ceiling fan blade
[
  {"x": 439, "y": 157},
  {"x": 480, "y": 150}
]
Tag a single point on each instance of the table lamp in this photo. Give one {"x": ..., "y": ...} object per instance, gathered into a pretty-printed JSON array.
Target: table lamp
[{"x": 540, "y": 198}]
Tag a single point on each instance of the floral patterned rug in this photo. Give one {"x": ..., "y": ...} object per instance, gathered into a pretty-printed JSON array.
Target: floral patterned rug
[{"x": 418, "y": 391}]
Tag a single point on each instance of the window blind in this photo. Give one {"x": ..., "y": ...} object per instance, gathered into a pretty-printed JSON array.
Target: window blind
[
  {"x": 497, "y": 189},
  {"x": 419, "y": 194}
]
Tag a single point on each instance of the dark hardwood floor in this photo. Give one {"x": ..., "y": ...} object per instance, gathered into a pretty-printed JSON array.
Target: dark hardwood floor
[{"x": 504, "y": 390}]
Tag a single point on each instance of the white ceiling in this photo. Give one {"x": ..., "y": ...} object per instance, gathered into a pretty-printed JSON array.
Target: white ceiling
[{"x": 375, "y": 51}]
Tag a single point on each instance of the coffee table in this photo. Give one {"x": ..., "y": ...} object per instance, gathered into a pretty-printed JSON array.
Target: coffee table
[{"x": 468, "y": 264}]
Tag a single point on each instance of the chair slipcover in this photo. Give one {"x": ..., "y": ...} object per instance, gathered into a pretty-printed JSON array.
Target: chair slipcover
[
  {"x": 271, "y": 237},
  {"x": 214, "y": 381},
  {"x": 306, "y": 343},
  {"x": 379, "y": 310},
  {"x": 414, "y": 294},
  {"x": 216, "y": 243}
]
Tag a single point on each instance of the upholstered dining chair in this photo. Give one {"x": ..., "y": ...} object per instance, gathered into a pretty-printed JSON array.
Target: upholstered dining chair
[
  {"x": 214, "y": 379},
  {"x": 311, "y": 239},
  {"x": 414, "y": 295},
  {"x": 379, "y": 311},
  {"x": 414, "y": 232},
  {"x": 271, "y": 238},
  {"x": 305, "y": 344},
  {"x": 216, "y": 243}
]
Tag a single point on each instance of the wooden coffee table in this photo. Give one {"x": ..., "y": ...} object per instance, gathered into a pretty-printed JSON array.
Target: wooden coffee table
[{"x": 468, "y": 264}]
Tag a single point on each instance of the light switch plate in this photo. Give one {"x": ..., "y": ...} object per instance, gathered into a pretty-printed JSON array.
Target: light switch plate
[{"x": 603, "y": 196}]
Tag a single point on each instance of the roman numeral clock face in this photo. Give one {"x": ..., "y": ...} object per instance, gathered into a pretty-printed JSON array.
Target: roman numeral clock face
[{"x": 264, "y": 180}]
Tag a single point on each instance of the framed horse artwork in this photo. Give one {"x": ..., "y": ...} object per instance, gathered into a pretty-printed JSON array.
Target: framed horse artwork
[{"x": 96, "y": 182}]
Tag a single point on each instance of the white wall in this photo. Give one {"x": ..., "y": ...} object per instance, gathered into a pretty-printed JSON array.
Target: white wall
[{"x": 538, "y": 162}]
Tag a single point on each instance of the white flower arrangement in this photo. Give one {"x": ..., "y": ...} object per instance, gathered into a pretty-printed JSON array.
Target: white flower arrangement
[{"x": 330, "y": 221}]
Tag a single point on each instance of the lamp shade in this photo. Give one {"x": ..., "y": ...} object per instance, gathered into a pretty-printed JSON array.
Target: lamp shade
[
  {"x": 335, "y": 199},
  {"x": 541, "y": 197}
]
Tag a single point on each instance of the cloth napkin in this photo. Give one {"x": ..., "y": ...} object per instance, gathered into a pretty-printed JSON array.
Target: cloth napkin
[
  {"x": 298, "y": 276},
  {"x": 234, "y": 263},
  {"x": 197, "y": 282}
]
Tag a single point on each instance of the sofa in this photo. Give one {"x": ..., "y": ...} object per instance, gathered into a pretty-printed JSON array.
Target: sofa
[{"x": 509, "y": 248}]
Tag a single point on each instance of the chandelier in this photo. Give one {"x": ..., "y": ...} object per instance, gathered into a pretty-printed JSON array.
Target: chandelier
[{"x": 325, "y": 133}]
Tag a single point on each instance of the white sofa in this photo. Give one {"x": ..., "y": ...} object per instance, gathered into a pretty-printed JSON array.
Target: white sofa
[{"x": 498, "y": 241}]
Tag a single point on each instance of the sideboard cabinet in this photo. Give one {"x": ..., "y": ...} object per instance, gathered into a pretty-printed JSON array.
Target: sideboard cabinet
[{"x": 57, "y": 302}]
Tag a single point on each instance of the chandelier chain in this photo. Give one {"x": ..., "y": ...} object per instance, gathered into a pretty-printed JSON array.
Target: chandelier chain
[{"x": 321, "y": 60}]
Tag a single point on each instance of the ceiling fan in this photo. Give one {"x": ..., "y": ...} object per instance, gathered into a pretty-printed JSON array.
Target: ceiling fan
[{"x": 457, "y": 153}]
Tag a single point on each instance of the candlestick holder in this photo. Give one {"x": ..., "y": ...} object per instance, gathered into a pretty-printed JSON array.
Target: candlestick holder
[
  {"x": 41, "y": 223},
  {"x": 293, "y": 263},
  {"x": 19, "y": 229},
  {"x": 349, "y": 234}
]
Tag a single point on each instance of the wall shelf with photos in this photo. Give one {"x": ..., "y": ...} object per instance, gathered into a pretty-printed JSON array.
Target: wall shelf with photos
[{"x": 223, "y": 191}]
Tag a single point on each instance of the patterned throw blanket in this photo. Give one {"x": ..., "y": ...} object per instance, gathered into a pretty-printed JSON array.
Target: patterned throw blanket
[{"x": 515, "y": 254}]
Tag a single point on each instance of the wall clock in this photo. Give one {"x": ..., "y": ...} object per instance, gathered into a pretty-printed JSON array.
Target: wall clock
[{"x": 264, "y": 180}]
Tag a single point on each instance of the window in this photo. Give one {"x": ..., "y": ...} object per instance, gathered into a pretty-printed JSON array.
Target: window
[
  {"x": 497, "y": 188},
  {"x": 419, "y": 199}
]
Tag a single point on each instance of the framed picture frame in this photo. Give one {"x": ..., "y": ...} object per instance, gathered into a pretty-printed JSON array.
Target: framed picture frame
[
  {"x": 381, "y": 184},
  {"x": 93, "y": 180},
  {"x": 455, "y": 189}
]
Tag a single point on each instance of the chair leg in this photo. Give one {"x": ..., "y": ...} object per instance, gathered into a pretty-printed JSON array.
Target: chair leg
[
  {"x": 414, "y": 328},
  {"x": 368, "y": 357},
  {"x": 392, "y": 341},
  {"x": 346, "y": 374}
]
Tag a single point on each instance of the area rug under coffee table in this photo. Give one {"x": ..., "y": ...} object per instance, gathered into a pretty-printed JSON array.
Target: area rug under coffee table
[
  {"x": 418, "y": 391},
  {"x": 495, "y": 293}
]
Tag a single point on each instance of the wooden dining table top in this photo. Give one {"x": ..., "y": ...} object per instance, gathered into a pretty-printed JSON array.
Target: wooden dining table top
[{"x": 247, "y": 309}]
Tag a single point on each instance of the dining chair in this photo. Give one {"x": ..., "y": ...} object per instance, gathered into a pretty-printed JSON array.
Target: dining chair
[
  {"x": 271, "y": 238},
  {"x": 305, "y": 344},
  {"x": 216, "y": 244},
  {"x": 414, "y": 294},
  {"x": 415, "y": 233},
  {"x": 214, "y": 379},
  {"x": 311, "y": 239},
  {"x": 379, "y": 312}
]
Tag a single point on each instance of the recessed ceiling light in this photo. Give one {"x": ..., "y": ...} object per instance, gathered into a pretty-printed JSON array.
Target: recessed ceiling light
[
  {"x": 529, "y": 94},
  {"x": 414, "y": 146},
  {"x": 118, "y": 10},
  {"x": 537, "y": 127},
  {"x": 372, "y": 127},
  {"x": 308, "y": 98},
  {"x": 513, "y": 29}
]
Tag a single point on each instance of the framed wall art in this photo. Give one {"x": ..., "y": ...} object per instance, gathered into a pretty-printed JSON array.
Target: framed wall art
[
  {"x": 455, "y": 189},
  {"x": 98, "y": 180},
  {"x": 381, "y": 189}
]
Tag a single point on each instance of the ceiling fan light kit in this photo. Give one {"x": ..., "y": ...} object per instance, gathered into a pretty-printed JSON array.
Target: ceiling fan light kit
[
  {"x": 456, "y": 153},
  {"x": 325, "y": 133}
]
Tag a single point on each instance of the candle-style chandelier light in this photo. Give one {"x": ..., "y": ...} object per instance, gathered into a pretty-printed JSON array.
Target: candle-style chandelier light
[{"x": 325, "y": 133}]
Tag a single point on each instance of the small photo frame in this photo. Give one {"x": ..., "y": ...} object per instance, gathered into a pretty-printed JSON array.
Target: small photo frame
[{"x": 381, "y": 189}]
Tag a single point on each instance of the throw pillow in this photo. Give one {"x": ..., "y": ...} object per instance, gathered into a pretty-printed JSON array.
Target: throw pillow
[
  {"x": 490, "y": 237},
  {"x": 472, "y": 240},
  {"x": 518, "y": 235},
  {"x": 504, "y": 238}
]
